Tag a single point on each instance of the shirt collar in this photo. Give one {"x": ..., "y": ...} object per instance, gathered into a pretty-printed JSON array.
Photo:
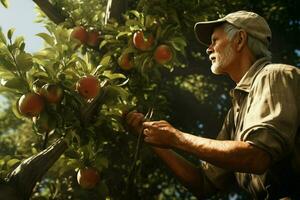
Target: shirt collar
[{"x": 246, "y": 81}]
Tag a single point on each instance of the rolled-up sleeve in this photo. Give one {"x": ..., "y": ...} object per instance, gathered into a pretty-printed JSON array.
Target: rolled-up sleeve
[{"x": 272, "y": 116}]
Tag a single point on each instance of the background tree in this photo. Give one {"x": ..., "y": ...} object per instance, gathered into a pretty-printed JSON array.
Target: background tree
[{"x": 102, "y": 59}]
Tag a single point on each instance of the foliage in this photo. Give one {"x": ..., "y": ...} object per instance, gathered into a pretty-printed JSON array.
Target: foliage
[
  {"x": 5, "y": 3},
  {"x": 179, "y": 91}
]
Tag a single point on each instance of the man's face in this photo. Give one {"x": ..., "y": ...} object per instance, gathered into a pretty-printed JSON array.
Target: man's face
[{"x": 220, "y": 52}]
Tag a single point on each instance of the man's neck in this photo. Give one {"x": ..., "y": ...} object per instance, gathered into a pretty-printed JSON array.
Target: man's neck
[{"x": 241, "y": 66}]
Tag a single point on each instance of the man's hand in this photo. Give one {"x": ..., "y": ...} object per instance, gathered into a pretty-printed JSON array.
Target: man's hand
[
  {"x": 161, "y": 134},
  {"x": 135, "y": 121},
  {"x": 157, "y": 133}
]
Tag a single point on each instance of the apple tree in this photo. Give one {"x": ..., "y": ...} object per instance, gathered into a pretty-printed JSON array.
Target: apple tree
[{"x": 77, "y": 89}]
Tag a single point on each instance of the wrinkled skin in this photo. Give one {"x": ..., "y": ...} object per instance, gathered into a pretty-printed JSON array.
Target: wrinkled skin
[{"x": 157, "y": 133}]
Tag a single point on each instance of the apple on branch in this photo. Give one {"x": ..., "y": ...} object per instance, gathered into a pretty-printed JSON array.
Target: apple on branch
[
  {"x": 163, "y": 54},
  {"x": 31, "y": 104},
  {"x": 88, "y": 86},
  {"x": 52, "y": 93},
  {"x": 93, "y": 39},
  {"x": 141, "y": 41},
  {"x": 88, "y": 177},
  {"x": 125, "y": 61},
  {"x": 79, "y": 34}
]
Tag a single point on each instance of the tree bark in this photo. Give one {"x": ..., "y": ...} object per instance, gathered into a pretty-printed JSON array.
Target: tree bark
[
  {"x": 52, "y": 13},
  {"x": 31, "y": 170},
  {"x": 115, "y": 9}
]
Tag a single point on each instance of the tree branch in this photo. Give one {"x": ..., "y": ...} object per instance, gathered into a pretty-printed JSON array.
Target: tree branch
[
  {"x": 52, "y": 12},
  {"x": 115, "y": 9},
  {"x": 31, "y": 170}
]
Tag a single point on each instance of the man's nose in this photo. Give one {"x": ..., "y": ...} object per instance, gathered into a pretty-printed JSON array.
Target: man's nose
[{"x": 209, "y": 50}]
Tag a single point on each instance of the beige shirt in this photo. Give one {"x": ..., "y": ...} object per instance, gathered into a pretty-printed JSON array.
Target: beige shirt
[{"x": 265, "y": 113}]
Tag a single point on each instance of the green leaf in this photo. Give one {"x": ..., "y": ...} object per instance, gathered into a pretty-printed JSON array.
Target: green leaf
[
  {"x": 2, "y": 162},
  {"x": 5, "y": 74},
  {"x": 19, "y": 41},
  {"x": 70, "y": 165},
  {"x": 135, "y": 13},
  {"x": 82, "y": 63},
  {"x": 105, "y": 60},
  {"x": 34, "y": 150},
  {"x": 103, "y": 43},
  {"x": 22, "y": 46},
  {"x": 113, "y": 76},
  {"x": 114, "y": 91},
  {"x": 134, "y": 24},
  {"x": 10, "y": 33},
  {"x": 47, "y": 53},
  {"x": 13, "y": 162},
  {"x": 14, "y": 83},
  {"x": 178, "y": 43},
  {"x": 72, "y": 154},
  {"x": 24, "y": 61},
  {"x": 101, "y": 162},
  {"x": 5, "y": 89},
  {"x": 5, "y": 3},
  {"x": 2, "y": 37},
  {"x": 47, "y": 38},
  {"x": 125, "y": 33},
  {"x": 6, "y": 64}
]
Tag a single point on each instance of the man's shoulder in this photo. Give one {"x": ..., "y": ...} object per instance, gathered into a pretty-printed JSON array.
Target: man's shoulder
[
  {"x": 277, "y": 72},
  {"x": 274, "y": 69},
  {"x": 279, "y": 68}
]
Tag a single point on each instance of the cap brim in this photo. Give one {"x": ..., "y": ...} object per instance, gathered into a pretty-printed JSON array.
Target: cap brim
[{"x": 203, "y": 30}]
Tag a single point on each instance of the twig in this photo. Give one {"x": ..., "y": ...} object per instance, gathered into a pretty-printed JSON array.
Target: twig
[{"x": 132, "y": 171}]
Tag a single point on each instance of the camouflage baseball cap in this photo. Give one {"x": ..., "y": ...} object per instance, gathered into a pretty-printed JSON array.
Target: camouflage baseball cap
[{"x": 252, "y": 23}]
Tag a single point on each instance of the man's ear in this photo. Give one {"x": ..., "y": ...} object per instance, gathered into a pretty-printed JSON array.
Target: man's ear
[{"x": 241, "y": 39}]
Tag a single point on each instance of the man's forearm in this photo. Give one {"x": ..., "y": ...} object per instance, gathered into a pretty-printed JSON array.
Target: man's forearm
[
  {"x": 190, "y": 176},
  {"x": 234, "y": 155}
]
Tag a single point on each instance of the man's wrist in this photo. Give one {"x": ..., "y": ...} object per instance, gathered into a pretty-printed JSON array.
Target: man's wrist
[{"x": 178, "y": 139}]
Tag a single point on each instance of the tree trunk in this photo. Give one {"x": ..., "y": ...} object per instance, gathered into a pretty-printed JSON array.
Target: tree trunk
[
  {"x": 53, "y": 13},
  {"x": 115, "y": 9},
  {"x": 25, "y": 176}
]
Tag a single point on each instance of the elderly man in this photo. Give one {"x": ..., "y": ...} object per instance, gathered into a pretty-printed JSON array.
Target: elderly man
[{"x": 258, "y": 147}]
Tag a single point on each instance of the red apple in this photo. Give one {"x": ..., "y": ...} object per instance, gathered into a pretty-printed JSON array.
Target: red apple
[
  {"x": 93, "y": 39},
  {"x": 80, "y": 34},
  {"x": 163, "y": 54},
  {"x": 125, "y": 61},
  {"x": 31, "y": 104},
  {"x": 88, "y": 86},
  {"x": 88, "y": 177},
  {"x": 142, "y": 42},
  {"x": 52, "y": 93}
]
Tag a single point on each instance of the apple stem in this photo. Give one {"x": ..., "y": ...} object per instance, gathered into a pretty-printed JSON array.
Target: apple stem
[{"x": 45, "y": 141}]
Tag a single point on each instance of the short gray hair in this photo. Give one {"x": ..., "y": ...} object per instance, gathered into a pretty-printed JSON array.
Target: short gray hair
[{"x": 258, "y": 48}]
